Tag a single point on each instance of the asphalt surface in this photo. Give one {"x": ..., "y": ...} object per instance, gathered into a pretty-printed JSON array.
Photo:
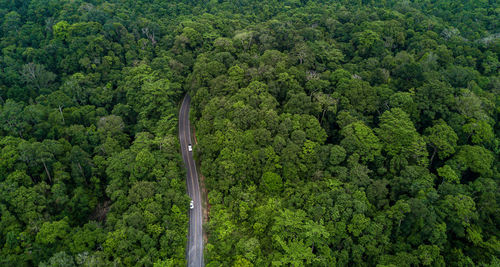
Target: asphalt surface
[{"x": 195, "y": 236}]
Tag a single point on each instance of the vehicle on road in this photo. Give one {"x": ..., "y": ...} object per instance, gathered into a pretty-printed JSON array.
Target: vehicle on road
[{"x": 195, "y": 237}]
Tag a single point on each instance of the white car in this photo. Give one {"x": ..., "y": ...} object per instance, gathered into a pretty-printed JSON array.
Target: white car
[
  {"x": 190, "y": 147},
  {"x": 191, "y": 204}
]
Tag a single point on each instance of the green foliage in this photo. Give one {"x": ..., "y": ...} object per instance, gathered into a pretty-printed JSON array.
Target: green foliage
[
  {"x": 475, "y": 158},
  {"x": 360, "y": 139},
  {"x": 401, "y": 140},
  {"x": 272, "y": 182},
  {"x": 400, "y": 97},
  {"x": 337, "y": 133},
  {"x": 442, "y": 139},
  {"x": 87, "y": 143}
]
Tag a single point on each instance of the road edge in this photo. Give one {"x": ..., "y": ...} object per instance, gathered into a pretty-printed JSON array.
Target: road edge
[{"x": 204, "y": 192}]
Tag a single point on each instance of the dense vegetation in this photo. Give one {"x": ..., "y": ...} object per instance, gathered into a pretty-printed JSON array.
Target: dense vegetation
[
  {"x": 331, "y": 133},
  {"x": 90, "y": 171}
]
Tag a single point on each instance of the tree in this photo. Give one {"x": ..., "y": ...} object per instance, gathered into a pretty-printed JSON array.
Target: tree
[
  {"x": 448, "y": 174},
  {"x": 59, "y": 100},
  {"x": 303, "y": 54},
  {"x": 11, "y": 117},
  {"x": 271, "y": 182},
  {"x": 477, "y": 159},
  {"x": 60, "y": 259},
  {"x": 360, "y": 139},
  {"x": 434, "y": 100},
  {"x": 300, "y": 103},
  {"x": 54, "y": 233},
  {"x": 459, "y": 212},
  {"x": 294, "y": 250},
  {"x": 337, "y": 154},
  {"x": 36, "y": 76},
  {"x": 406, "y": 102},
  {"x": 399, "y": 137},
  {"x": 42, "y": 154},
  {"x": 328, "y": 103},
  {"x": 362, "y": 97},
  {"x": 479, "y": 132},
  {"x": 442, "y": 139},
  {"x": 368, "y": 43},
  {"x": 11, "y": 23}
]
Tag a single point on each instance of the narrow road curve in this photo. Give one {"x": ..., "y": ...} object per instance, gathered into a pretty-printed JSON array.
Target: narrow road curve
[{"x": 195, "y": 237}]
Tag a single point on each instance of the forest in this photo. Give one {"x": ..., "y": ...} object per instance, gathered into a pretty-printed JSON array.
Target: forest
[{"x": 330, "y": 132}]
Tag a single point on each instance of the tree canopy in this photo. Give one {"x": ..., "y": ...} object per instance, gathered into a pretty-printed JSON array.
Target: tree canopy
[{"x": 330, "y": 133}]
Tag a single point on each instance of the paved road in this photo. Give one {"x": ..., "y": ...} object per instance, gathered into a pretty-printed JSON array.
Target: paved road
[{"x": 195, "y": 242}]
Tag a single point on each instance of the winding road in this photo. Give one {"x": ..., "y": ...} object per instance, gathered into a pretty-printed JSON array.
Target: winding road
[{"x": 195, "y": 237}]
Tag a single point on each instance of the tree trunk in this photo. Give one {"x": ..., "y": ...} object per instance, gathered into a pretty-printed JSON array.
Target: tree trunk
[
  {"x": 433, "y": 154},
  {"x": 47, "y": 171},
  {"x": 60, "y": 111},
  {"x": 322, "y": 115},
  {"x": 399, "y": 225},
  {"x": 312, "y": 94},
  {"x": 13, "y": 127},
  {"x": 249, "y": 43},
  {"x": 81, "y": 169}
]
